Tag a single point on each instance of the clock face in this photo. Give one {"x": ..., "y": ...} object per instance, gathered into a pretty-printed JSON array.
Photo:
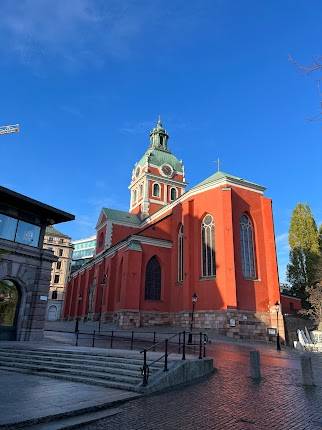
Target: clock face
[
  {"x": 137, "y": 172},
  {"x": 167, "y": 170}
]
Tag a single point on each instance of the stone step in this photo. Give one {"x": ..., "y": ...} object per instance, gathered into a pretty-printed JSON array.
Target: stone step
[
  {"x": 70, "y": 362},
  {"x": 74, "y": 422},
  {"x": 75, "y": 378},
  {"x": 133, "y": 380},
  {"x": 100, "y": 369},
  {"x": 135, "y": 359}
]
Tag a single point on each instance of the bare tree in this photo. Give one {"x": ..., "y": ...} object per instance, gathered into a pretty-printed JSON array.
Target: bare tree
[
  {"x": 313, "y": 68},
  {"x": 315, "y": 301}
]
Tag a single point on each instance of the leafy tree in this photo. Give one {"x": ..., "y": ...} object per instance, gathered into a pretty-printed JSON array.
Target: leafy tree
[{"x": 304, "y": 253}]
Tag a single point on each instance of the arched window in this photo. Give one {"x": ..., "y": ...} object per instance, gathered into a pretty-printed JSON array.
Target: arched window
[
  {"x": 208, "y": 246},
  {"x": 180, "y": 254},
  {"x": 101, "y": 240},
  {"x": 119, "y": 286},
  {"x": 153, "y": 280},
  {"x": 247, "y": 247},
  {"x": 173, "y": 194},
  {"x": 156, "y": 190}
]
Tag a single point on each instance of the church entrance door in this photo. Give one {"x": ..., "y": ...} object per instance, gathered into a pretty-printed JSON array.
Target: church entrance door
[{"x": 9, "y": 309}]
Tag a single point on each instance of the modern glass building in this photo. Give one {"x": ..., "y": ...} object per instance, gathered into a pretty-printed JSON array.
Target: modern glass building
[{"x": 84, "y": 250}]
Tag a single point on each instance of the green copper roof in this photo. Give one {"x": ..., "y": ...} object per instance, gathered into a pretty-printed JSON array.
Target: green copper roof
[
  {"x": 134, "y": 245},
  {"x": 121, "y": 216},
  {"x": 222, "y": 175},
  {"x": 52, "y": 231},
  {"x": 159, "y": 157}
]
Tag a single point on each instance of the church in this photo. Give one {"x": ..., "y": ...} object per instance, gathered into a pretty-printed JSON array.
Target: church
[{"x": 213, "y": 244}]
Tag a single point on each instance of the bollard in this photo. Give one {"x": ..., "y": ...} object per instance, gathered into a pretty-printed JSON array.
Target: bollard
[
  {"x": 255, "y": 368},
  {"x": 307, "y": 371}
]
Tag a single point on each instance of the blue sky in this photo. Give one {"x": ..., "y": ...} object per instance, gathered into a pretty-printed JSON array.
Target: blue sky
[{"x": 87, "y": 79}]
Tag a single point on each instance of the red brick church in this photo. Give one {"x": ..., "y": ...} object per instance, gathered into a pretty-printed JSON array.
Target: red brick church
[{"x": 215, "y": 240}]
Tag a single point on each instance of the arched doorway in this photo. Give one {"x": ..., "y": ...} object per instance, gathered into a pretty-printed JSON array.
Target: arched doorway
[
  {"x": 9, "y": 309},
  {"x": 52, "y": 313}
]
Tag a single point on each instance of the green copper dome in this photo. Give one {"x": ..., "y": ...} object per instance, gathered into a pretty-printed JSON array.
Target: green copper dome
[{"x": 158, "y": 152}]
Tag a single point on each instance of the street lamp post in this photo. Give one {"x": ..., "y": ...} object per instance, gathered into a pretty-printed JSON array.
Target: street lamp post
[
  {"x": 278, "y": 345},
  {"x": 194, "y": 301}
]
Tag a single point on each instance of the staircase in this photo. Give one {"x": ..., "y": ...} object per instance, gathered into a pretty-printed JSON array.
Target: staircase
[{"x": 117, "y": 369}]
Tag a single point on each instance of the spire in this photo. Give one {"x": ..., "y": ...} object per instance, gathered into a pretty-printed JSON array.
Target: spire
[{"x": 159, "y": 137}]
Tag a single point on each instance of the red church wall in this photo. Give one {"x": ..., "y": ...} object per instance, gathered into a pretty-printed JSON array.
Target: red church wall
[
  {"x": 251, "y": 294},
  {"x": 124, "y": 291},
  {"x": 120, "y": 232}
]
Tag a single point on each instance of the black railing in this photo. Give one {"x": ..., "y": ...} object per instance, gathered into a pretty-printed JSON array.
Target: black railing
[{"x": 181, "y": 342}]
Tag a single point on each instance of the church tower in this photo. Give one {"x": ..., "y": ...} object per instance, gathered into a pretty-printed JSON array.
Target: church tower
[{"x": 158, "y": 178}]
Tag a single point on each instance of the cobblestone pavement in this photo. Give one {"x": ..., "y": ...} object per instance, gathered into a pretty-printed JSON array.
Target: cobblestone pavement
[{"x": 230, "y": 399}]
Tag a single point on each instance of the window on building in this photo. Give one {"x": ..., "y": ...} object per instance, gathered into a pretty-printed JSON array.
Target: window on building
[
  {"x": 135, "y": 196},
  {"x": 27, "y": 234},
  {"x": 173, "y": 194},
  {"x": 141, "y": 190},
  {"x": 8, "y": 226},
  {"x": 61, "y": 240},
  {"x": 153, "y": 280},
  {"x": 156, "y": 190},
  {"x": 120, "y": 275},
  {"x": 60, "y": 252},
  {"x": 54, "y": 295},
  {"x": 101, "y": 240},
  {"x": 180, "y": 254},
  {"x": 208, "y": 246},
  {"x": 56, "y": 279},
  {"x": 50, "y": 239},
  {"x": 247, "y": 247},
  {"x": 58, "y": 265}
]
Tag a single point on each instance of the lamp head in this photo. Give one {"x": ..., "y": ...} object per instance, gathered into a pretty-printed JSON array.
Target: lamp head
[{"x": 194, "y": 298}]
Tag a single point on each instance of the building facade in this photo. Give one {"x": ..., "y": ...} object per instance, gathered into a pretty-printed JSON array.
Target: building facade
[
  {"x": 215, "y": 240},
  {"x": 62, "y": 248},
  {"x": 24, "y": 265},
  {"x": 84, "y": 251}
]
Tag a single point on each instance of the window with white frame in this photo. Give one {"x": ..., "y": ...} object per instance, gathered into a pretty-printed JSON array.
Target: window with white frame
[
  {"x": 247, "y": 247},
  {"x": 156, "y": 190},
  {"x": 208, "y": 246},
  {"x": 180, "y": 254},
  {"x": 173, "y": 194}
]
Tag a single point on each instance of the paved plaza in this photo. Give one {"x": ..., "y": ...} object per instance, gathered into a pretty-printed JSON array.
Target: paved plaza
[
  {"x": 230, "y": 399},
  {"x": 26, "y": 397}
]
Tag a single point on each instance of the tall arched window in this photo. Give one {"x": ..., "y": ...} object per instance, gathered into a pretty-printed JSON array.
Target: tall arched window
[
  {"x": 208, "y": 246},
  {"x": 180, "y": 254},
  {"x": 173, "y": 194},
  {"x": 119, "y": 283},
  {"x": 156, "y": 190},
  {"x": 153, "y": 280},
  {"x": 247, "y": 247}
]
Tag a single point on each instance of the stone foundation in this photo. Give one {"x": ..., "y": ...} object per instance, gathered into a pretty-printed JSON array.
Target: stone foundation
[{"x": 233, "y": 323}]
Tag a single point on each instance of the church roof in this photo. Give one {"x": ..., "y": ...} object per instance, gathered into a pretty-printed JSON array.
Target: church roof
[
  {"x": 121, "y": 216},
  {"x": 158, "y": 157},
  {"x": 218, "y": 176},
  {"x": 52, "y": 231}
]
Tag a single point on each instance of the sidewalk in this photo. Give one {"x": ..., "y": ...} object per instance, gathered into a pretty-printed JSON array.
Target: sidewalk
[{"x": 29, "y": 398}]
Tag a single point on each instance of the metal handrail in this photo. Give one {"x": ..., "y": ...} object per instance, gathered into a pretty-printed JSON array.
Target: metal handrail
[{"x": 161, "y": 341}]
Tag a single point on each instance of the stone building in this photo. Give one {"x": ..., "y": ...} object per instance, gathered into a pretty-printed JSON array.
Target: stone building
[
  {"x": 24, "y": 265},
  {"x": 213, "y": 243},
  {"x": 62, "y": 247}
]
